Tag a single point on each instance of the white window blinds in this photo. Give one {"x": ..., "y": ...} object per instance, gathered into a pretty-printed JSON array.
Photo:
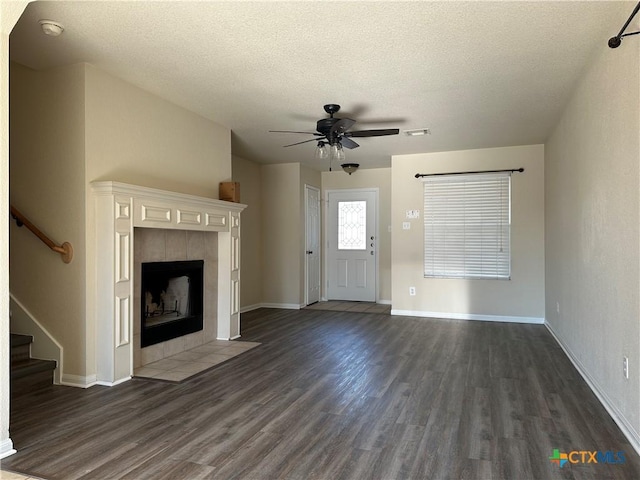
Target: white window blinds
[{"x": 467, "y": 226}]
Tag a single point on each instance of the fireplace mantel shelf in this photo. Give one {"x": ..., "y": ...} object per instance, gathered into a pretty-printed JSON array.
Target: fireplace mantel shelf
[
  {"x": 108, "y": 188},
  {"x": 119, "y": 209},
  {"x": 153, "y": 208}
]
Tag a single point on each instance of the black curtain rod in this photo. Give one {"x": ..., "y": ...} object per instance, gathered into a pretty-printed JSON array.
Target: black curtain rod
[
  {"x": 614, "y": 42},
  {"x": 418, "y": 175}
]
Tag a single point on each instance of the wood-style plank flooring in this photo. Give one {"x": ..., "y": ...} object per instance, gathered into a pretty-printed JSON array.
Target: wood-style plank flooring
[{"x": 335, "y": 395}]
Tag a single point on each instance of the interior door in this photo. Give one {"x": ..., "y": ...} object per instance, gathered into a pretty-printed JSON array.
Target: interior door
[
  {"x": 312, "y": 245},
  {"x": 351, "y": 245}
]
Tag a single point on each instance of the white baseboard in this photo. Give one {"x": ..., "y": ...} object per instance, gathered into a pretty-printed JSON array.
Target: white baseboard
[
  {"x": 468, "y": 316},
  {"x": 6, "y": 448},
  {"x": 112, "y": 384},
  {"x": 286, "y": 306},
  {"x": 79, "y": 381},
  {"x": 617, "y": 416},
  {"x": 290, "y": 306},
  {"x": 228, "y": 339},
  {"x": 249, "y": 308}
]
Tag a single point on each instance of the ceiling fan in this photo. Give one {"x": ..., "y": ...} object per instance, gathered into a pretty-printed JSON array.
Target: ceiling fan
[{"x": 335, "y": 131}]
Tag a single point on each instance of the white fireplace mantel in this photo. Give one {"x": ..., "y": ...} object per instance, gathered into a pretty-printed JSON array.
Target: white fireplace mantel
[{"x": 118, "y": 208}]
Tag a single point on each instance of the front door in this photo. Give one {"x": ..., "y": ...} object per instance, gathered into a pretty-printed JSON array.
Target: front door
[{"x": 351, "y": 245}]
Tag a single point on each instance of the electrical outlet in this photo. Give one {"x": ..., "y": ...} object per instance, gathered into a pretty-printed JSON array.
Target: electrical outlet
[
  {"x": 412, "y": 291},
  {"x": 625, "y": 367}
]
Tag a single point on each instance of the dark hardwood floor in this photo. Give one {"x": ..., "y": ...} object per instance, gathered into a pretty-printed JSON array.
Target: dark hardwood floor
[{"x": 335, "y": 395}]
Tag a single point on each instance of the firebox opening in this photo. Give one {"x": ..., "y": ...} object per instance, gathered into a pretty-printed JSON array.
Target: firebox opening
[{"x": 172, "y": 300}]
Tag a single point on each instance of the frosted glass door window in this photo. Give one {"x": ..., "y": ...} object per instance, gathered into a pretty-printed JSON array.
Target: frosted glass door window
[{"x": 352, "y": 225}]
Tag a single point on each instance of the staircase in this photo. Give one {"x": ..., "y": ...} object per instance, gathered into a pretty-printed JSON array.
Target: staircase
[{"x": 28, "y": 374}]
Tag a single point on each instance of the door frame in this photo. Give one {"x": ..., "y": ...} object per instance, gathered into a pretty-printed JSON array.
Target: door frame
[
  {"x": 324, "y": 286},
  {"x": 306, "y": 233}
]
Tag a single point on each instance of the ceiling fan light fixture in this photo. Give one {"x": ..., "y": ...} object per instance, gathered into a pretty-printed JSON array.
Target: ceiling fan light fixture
[
  {"x": 417, "y": 132},
  {"x": 322, "y": 152},
  {"x": 350, "y": 167},
  {"x": 336, "y": 152}
]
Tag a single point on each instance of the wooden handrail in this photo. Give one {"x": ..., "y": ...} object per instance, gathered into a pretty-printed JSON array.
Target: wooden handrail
[{"x": 65, "y": 250}]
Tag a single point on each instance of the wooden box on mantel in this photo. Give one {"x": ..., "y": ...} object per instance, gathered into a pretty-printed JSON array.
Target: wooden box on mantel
[{"x": 230, "y": 191}]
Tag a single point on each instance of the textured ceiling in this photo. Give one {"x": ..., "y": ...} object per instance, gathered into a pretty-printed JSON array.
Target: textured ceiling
[{"x": 478, "y": 74}]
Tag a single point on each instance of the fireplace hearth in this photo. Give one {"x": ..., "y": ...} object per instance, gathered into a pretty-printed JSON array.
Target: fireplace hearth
[{"x": 172, "y": 300}]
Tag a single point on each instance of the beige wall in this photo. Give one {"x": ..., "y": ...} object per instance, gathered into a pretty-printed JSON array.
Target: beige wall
[
  {"x": 592, "y": 236},
  {"x": 281, "y": 234},
  {"x": 136, "y": 137},
  {"x": 379, "y": 178},
  {"x": 522, "y": 297},
  {"x": 249, "y": 175},
  {"x": 47, "y": 185}
]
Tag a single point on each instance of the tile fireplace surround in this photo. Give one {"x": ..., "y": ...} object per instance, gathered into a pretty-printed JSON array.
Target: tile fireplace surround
[{"x": 119, "y": 211}]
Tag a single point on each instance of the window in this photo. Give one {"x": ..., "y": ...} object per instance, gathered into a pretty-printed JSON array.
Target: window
[{"x": 467, "y": 226}]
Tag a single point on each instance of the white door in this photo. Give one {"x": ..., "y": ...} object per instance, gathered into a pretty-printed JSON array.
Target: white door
[
  {"x": 312, "y": 245},
  {"x": 351, "y": 245}
]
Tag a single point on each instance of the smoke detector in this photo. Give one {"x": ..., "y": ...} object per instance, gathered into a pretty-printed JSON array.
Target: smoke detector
[{"x": 51, "y": 28}]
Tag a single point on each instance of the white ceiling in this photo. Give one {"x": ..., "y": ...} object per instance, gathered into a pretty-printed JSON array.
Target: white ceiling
[{"x": 478, "y": 74}]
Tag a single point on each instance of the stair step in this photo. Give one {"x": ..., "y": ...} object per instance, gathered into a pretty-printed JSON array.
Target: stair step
[
  {"x": 20, "y": 347},
  {"x": 28, "y": 374},
  {"x": 18, "y": 339},
  {"x": 29, "y": 366}
]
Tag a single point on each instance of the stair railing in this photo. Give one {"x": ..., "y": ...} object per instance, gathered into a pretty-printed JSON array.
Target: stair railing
[{"x": 65, "y": 250}]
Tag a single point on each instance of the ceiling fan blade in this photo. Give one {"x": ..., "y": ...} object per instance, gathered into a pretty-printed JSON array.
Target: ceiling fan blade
[
  {"x": 289, "y": 131},
  {"x": 304, "y": 141},
  {"x": 342, "y": 126},
  {"x": 373, "y": 133},
  {"x": 348, "y": 143}
]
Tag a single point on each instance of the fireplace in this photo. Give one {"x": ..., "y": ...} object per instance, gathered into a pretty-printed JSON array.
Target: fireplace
[
  {"x": 181, "y": 227},
  {"x": 172, "y": 300}
]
